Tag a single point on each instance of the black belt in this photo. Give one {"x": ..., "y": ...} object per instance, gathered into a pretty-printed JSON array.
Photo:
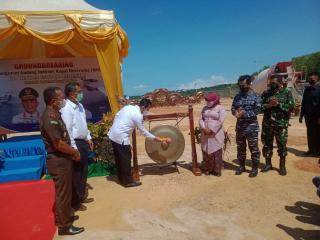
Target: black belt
[{"x": 78, "y": 139}]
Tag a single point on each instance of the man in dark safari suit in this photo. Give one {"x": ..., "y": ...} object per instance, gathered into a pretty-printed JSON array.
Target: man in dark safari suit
[
  {"x": 59, "y": 159},
  {"x": 310, "y": 111}
]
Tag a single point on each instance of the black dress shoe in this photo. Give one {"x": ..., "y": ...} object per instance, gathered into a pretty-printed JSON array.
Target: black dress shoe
[
  {"x": 89, "y": 186},
  {"x": 81, "y": 208},
  {"x": 88, "y": 200},
  {"x": 133, "y": 184},
  {"x": 74, "y": 218},
  {"x": 70, "y": 230}
]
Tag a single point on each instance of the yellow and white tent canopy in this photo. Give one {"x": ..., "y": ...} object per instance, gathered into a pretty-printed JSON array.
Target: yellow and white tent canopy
[{"x": 70, "y": 28}]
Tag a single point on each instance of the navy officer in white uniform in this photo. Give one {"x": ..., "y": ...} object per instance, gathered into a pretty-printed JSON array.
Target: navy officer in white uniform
[{"x": 29, "y": 101}]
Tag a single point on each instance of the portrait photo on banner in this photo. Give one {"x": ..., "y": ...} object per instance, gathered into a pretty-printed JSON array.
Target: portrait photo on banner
[{"x": 23, "y": 82}]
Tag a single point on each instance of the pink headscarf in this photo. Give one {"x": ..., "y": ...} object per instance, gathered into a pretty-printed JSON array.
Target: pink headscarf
[{"x": 213, "y": 97}]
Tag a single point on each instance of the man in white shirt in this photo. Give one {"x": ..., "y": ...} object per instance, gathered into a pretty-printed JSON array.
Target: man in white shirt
[
  {"x": 74, "y": 117},
  {"x": 125, "y": 121}
]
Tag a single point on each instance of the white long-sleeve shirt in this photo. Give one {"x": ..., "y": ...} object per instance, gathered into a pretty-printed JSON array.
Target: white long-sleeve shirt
[
  {"x": 125, "y": 121},
  {"x": 74, "y": 117}
]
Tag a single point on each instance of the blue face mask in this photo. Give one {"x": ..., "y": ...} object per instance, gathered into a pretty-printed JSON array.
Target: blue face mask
[{"x": 79, "y": 97}]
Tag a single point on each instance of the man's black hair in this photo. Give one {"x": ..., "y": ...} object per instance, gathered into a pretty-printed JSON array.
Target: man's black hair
[
  {"x": 50, "y": 93},
  {"x": 70, "y": 87},
  {"x": 313, "y": 74},
  {"x": 246, "y": 78},
  {"x": 145, "y": 102}
]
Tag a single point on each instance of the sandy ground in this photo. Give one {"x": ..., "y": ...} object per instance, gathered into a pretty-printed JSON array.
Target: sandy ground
[{"x": 174, "y": 204}]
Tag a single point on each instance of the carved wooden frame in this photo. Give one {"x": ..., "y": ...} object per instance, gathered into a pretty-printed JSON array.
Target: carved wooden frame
[{"x": 163, "y": 97}]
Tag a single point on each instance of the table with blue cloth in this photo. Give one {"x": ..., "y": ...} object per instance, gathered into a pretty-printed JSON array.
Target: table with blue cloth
[{"x": 22, "y": 158}]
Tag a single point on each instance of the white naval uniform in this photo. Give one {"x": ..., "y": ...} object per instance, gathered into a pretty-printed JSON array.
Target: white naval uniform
[{"x": 25, "y": 117}]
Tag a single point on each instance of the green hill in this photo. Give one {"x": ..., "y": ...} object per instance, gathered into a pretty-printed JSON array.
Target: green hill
[
  {"x": 217, "y": 88},
  {"x": 223, "y": 89},
  {"x": 309, "y": 63}
]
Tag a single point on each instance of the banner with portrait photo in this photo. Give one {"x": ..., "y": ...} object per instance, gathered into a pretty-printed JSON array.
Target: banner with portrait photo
[{"x": 22, "y": 83}]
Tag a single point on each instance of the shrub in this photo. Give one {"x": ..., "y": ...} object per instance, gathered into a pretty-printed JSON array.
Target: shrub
[{"x": 103, "y": 150}]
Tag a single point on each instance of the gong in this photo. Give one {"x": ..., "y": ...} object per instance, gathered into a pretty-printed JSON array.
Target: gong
[{"x": 162, "y": 152}]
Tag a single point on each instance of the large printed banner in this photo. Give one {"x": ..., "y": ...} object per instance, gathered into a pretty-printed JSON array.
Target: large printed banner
[{"x": 22, "y": 83}]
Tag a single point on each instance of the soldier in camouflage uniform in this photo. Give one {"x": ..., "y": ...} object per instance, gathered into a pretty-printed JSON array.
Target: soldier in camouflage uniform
[
  {"x": 277, "y": 104},
  {"x": 245, "y": 107}
]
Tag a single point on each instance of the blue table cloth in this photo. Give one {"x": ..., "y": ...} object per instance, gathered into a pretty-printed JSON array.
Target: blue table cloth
[{"x": 24, "y": 146}]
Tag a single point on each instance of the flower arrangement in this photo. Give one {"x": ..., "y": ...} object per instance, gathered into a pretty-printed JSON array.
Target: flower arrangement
[{"x": 103, "y": 150}]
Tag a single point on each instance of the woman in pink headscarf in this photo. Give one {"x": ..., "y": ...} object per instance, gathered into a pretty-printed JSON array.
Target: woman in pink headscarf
[{"x": 212, "y": 134}]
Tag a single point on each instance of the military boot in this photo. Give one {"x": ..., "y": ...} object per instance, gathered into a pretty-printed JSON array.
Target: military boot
[
  {"x": 282, "y": 166},
  {"x": 254, "y": 170},
  {"x": 268, "y": 165},
  {"x": 241, "y": 168}
]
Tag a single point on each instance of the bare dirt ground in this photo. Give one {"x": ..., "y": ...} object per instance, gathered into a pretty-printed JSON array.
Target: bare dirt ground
[{"x": 173, "y": 204}]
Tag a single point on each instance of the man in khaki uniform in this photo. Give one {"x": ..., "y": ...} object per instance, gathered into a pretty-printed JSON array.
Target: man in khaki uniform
[{"x": 59, "y": 159}]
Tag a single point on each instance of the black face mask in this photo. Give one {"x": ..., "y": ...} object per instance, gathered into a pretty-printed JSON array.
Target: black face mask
[
  {"x": 244, "y": 89},
  {"x": 312, "y": 81},
  {"x": 273, "y": 86}
]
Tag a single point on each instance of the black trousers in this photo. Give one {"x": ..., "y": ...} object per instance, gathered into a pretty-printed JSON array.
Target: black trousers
[
  {"x": 123, "y": 156},
  {"x": 80, "y": 174},
  {"x": 313, "y": 134}
]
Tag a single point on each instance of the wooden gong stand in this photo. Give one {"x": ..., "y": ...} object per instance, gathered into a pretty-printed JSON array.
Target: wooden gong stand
[{"x": 195, "y": 167}]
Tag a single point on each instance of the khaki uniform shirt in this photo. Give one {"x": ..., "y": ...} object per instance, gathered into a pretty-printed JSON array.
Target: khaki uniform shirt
[{"x": 53, "y": 129}]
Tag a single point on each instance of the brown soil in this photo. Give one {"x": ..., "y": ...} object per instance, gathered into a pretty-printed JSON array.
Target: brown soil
[
  {"x": 308, "y": 165},
  {"x": 175, "y": 204}
]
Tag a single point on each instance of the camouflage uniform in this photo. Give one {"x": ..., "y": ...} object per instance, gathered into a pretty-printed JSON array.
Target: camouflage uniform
[
  {"x": 247, "y": 127},
  {"x": 276, "y": 121},
  {"x": 275, "y": 125}
]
